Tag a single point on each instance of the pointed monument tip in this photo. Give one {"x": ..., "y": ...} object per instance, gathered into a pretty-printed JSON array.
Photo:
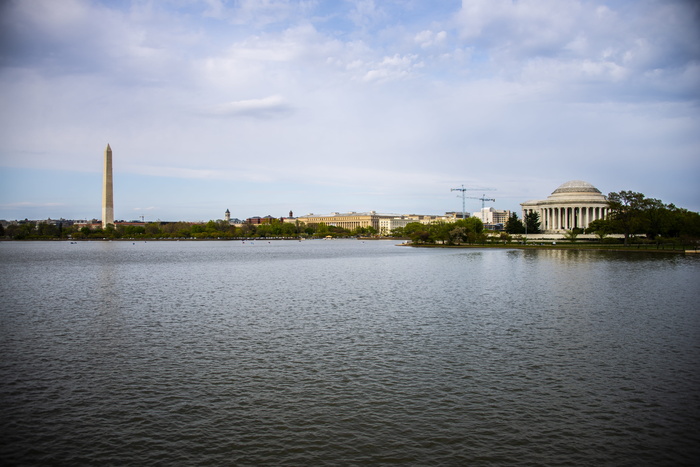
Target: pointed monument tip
[{"x": 108, "y": 147}]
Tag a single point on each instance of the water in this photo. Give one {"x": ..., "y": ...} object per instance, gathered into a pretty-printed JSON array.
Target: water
[{"x": 345, "y": 353}]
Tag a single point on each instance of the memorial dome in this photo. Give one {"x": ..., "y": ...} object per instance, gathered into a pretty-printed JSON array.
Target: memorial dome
[
  {"x": 576, "y": 186},
  {"x": 575, "y": 204}
]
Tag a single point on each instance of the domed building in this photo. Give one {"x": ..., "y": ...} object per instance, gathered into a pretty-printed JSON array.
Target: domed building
[{"x": 574, "y": 204}]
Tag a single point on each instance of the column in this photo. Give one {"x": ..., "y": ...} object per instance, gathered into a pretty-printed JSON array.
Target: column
[{"x": 559, "y": 214}]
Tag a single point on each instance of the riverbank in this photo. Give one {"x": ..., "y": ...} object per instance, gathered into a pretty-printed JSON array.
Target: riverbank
[{"x": 580, "y": 247}]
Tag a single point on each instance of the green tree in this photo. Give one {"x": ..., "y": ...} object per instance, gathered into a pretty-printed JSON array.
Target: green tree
[
  {"x": 322, "y": 230},
  {"x": 288, "y": 230},
  {"x": 153, "y": 230},
  {"x": 417, "y": 232},
  {"x": 440, "y": 231},
  {"x": 687, "y": 222},
  {"x": 110, "y": 231},
  {"x": 131, "y": 231},
  {"x": 21, "y": 231},
  {"x": 363, "y": 231},
  {"x": 472, "y": 224},
  {"x": 514, "y": 225},
  {"x": 600, "y": 227},
  {"x": 532, "y": 222},
  {"x": 46, "y": 230},
  {"x": 656, "y": 216},
  {"x": 459, "y": 235},
  {"x": 626, "y": 212},
  {"x": 571, "y": 235},
  {"x": 212, "y": 227}
]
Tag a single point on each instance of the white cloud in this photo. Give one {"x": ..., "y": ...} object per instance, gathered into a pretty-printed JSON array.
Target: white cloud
[
  {"x": 391, "y": 68},
  {"x": 427, "y": 39},
  {"x": 271, "y": 106}
]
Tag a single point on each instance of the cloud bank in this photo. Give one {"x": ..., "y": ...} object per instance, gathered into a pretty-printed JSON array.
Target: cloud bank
[{"x": 353, "y": 105}]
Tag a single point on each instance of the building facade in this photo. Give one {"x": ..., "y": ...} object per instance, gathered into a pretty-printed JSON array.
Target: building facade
[
  {"x": 491, "y": 216},
  {"x": 382, "y": 223},
  {"x": 574, "y": 204},
  {"x": 350, "y": 220},
  {"x": 388, "y": 224}
]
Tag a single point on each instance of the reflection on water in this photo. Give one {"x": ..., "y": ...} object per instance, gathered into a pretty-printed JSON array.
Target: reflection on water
[{"x": 344, "y": 352}]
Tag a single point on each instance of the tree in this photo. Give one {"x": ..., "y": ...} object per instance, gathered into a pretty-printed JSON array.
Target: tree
[
  {"x": 363, "y": 231},
  {"x": 322, "y": 229},
  {"x": 655, "y": 217},
  {"x": 440, "y": 231},
  {"x": 514, "y": 225},
  {"x": 417, "y": 232},
  {"x": 153, "y": 229},
  {"x": 532, "y": 222},
  {"x": 626, "y": 209},
  {"x": 600, "y": 227},
  {"x": 571, "y": 235},
  {"x": 687, "y": 222},
  {"x": 110, "y": 232},
  {"x": 46, "y": 230},
  {"x": 472, "y": 224},
  {"x": 458, "y": 235},
  {"x": 21, "y": 231}
]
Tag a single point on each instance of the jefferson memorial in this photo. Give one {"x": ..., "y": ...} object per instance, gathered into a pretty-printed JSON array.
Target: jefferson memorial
[{"x": 574, "y": 204}]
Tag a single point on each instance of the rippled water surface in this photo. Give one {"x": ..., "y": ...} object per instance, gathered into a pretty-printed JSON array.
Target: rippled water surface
[{"x": 346, "y": 353}]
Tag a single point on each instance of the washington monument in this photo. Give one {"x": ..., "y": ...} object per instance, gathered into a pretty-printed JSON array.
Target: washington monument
[{"x": 107, "y": 192}]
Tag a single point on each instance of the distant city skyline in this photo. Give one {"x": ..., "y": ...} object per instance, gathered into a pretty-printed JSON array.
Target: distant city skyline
[{"x": 266, "y": 107}]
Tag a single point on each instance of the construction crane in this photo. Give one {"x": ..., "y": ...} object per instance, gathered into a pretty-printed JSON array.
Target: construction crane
[
  {"x": 483, "y": 201},
  {"x": 464, "y": 197}
]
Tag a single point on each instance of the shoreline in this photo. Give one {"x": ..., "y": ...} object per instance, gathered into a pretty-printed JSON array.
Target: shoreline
[{"x": 629, "y": 249}]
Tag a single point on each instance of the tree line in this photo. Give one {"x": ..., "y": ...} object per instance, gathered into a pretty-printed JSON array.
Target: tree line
[
  {"x": 30, "y": 230},
  {"x": 469, "y": 230},
  {"x": 632, "y": 214}
]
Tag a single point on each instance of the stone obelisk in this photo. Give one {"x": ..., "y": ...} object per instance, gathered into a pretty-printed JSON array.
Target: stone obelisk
[{"x": 107, "y": 191}]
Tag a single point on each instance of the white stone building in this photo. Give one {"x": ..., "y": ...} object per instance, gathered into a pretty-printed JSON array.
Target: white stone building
[
  {"x": 386, "y": 225},
  {"x": 491, "y": 216},
  {"x": 574, "y": 204}
]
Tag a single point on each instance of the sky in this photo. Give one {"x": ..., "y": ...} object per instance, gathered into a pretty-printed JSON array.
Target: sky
[{"x": 313, "y": 106}]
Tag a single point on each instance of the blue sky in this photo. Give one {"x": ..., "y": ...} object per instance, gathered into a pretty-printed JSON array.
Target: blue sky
[{"x": 267, "y": 106}]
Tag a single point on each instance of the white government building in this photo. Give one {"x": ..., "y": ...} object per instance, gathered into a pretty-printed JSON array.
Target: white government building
[
  {"x": 574, "y": 204},
  {"x": 491, "y": 216}
]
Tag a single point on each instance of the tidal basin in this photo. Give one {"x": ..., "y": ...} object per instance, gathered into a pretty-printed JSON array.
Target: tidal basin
[{"x": 344, "y": 352}]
